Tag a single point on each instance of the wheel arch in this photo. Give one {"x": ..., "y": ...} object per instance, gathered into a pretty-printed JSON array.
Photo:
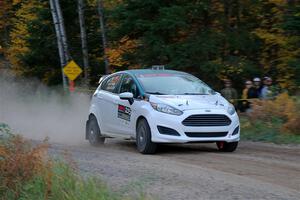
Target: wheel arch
[
  {"x": 94, "y": 112},
  {"x": 137, "y": 121}
]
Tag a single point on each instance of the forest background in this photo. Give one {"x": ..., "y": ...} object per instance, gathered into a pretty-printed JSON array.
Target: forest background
[{"x": 211, "y": 39}]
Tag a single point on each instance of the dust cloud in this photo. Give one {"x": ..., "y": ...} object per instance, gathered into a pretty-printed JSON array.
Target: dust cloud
[{"x": 36, "y": 111}]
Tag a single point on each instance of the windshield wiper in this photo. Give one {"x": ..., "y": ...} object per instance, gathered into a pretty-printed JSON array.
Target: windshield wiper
[
  {"x": 158, "y": 93},
  {"x": 187, "y": 93}
]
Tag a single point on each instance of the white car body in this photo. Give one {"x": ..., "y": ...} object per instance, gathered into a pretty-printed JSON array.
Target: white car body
[{"x": 210, "y": 121}]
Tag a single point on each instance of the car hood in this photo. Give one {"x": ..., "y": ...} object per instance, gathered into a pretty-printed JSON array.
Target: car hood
[{"x": 191, "y": 102}]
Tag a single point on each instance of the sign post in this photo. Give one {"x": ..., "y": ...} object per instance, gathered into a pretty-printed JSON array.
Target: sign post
[{"x": 72, "y": 71}]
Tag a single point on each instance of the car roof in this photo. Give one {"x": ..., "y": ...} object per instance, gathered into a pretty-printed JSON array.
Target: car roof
[{"x": 152, "y": 71}]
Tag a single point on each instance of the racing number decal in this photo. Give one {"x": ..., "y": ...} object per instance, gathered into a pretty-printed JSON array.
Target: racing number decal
[{"x": 124, "y": 112}]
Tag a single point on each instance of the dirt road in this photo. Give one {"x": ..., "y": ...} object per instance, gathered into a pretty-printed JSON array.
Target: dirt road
[{"x": 194, "y": 171}]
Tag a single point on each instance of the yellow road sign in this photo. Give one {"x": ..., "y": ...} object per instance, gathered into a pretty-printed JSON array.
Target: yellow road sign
[{"x": 72, "y": 70}]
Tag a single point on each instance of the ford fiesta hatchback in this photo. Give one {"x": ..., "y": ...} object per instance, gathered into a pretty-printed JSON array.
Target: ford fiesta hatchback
[{"x": 161, "y": 106}]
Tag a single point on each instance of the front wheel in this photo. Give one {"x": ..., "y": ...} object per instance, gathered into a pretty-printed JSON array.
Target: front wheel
[
  {"x": 143, "y": 138},
  {"x": 93, "y": 133},
  {"x": 227, "y": 146}
]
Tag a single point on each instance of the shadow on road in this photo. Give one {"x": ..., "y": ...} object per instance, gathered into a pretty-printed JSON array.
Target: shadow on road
[{"x": 165, "y": 148}]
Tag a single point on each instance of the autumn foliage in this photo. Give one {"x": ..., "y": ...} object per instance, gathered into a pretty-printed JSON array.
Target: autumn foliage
[
  {"x": 283, "y": 107},
  {"x": 28, "y": 172},
  {"x": 121, "y": 48},
  {"x": 211, "y": 39},
  {"x": 20, "y": 162}
]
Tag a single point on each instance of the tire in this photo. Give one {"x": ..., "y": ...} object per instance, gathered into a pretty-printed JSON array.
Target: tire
[
  {"x": 227, "y": 146},
  {"x": 143, "y": 138},
  {"x": 93, "y": 132}
]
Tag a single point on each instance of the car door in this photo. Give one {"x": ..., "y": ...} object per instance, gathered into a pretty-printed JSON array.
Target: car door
[
  {"x": 106, "y": 99},
  {"x": 126, "y": 111}
]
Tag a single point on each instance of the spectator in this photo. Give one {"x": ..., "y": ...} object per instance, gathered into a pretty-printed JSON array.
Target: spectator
[
  {"x": 249, "y": 92},
  {"x": 257, "y": 86},
  {"x": 229, "y": 92},
  {"x": 266, "y": 92}
]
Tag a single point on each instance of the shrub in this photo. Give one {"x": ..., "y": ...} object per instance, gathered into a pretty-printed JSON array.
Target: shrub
[
  {"x": 283, "y": 109},
  {"x": 5, "y": 132},
  {"x": 19, "y": 162},
  {"x": 26, "y": 173}
]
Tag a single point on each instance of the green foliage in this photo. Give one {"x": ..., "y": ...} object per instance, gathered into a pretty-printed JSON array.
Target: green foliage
[
  {"x": 65, "y": 184},
  {"x": 5, "y": 131},
  {"x": 33, "y": 46},
  {"x": 211, "y": 39},
  {"x": 259, "y": 131},
  {"x": 42, "y": 44},
  {"x": 190, "y": 35}
]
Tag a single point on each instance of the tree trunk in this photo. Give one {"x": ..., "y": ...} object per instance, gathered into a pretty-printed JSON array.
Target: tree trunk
[
  {"x": 226, "y": 27},
  {"x": 103, "y": 32},
  {"x": 238, "y": 14},
  {"x": 59, "y": 41},
  {"x": 62, "y": 30},
  {"x": 83, "y": 40}
]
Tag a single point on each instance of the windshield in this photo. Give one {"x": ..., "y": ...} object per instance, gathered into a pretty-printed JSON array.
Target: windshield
[{"x": 173, "y": 84}]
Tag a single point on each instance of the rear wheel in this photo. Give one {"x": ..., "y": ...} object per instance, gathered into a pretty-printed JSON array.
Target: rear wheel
[
  {"x": 227, "y": 146},
  {"x": 143, "y": 138},
  {"x": 94, "y": 134}
]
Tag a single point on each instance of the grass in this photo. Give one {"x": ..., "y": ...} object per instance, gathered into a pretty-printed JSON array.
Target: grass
[
  {"x": 266, "y": 132},
  {"x": 61, "y": 182},
  {"x": 27, "y": 172}
]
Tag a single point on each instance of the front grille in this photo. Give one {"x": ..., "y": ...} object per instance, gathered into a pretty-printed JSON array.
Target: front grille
[
  {"x": 206, "y": 134},
  {"x": 207, "y": 120}
]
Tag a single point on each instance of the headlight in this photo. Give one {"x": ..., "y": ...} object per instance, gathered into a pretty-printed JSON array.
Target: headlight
[
  {"x": 166, "y": 109},
  {"x": 231, "y": 109}
]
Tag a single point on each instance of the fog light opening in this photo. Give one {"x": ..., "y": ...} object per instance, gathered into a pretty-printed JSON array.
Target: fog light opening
[
  {"x": 236, "y": 130},
  {"x": 167, "y": 131}
]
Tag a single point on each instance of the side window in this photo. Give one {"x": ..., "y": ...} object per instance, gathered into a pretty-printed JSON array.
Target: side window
[
  {"x": 128, "y": 85},
  {"x": 111, "y": 83}
]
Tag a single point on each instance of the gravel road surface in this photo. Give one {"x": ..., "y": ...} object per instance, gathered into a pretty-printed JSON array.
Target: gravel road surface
[{"x": 193, "y": 171}]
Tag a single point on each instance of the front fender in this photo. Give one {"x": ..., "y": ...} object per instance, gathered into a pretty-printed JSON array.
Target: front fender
[{"x": 144, "y": 111}]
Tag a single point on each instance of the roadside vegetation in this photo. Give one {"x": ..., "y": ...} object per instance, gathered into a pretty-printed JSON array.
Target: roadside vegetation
[
  {"x": 213, "y": 40},
  {"x": 273, "y": 120},
  {"x": 27, "y": 172}
]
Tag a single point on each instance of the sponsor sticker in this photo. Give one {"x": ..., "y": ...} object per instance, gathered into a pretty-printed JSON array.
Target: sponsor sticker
[{"x": 124, "y": 112}]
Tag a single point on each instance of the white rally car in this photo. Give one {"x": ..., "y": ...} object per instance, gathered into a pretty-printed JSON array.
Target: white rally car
[{"x": 161, "y": 106}]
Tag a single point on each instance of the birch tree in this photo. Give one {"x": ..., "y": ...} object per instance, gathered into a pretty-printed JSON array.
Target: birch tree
[
  {"x": 63, "y": 34},
  {"x": 59, "y": 40}
]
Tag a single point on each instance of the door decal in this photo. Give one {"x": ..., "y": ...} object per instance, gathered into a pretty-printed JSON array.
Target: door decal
[{"x": 124, "y": 112}]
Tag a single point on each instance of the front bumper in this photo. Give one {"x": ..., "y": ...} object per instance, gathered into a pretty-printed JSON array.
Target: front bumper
[{"x": 175, "y": 122}]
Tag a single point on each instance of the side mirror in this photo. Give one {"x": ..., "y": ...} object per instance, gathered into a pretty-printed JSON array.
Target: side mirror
[{"x": 127, "y": 96}]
